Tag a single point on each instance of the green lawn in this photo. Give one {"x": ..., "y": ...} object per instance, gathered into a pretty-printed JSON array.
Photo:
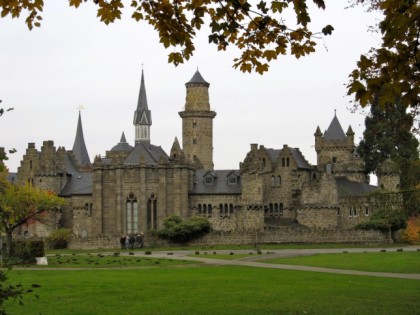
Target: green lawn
[
  {"x": 212, "y": 290},
  {"x": 399, "y": 262}
]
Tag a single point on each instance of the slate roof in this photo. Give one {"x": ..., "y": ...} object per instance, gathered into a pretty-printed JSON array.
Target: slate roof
[
  {"x": 197, "y": 78},
  {"x": 296, "y": 154},
  {"x": 142, "y": 115},
  {"x": 220, "y": 184},
  {"x": 79, "y": 146},
  {"x": 300, "y": 159},
  {"x": 77, "y": 184},
  {"x": 151, "y": 153},
  {"x": 347, "y": 188},
  {"x": 122, "y": 145},
  {"x": 334, "y": 131}
]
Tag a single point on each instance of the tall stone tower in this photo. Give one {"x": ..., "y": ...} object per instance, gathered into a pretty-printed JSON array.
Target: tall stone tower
[{"x": 197, "y": 123}]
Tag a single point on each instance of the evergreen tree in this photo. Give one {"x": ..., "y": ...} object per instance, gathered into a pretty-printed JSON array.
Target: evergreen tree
[{"x": 388, "y": 135}]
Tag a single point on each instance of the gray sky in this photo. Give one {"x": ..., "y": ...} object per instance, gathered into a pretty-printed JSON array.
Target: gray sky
[{"x": 73, "y": 59}]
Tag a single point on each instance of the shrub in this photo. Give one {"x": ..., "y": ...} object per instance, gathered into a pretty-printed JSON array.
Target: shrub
[
  {"x": 25, "y": 251},
  {"x": 181, "y": 231},
  {"x": 59, "y": 239},
  {"x": 411, "y": 234}
]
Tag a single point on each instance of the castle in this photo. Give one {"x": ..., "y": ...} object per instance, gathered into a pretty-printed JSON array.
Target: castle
[{"x": 133, "y": 188}]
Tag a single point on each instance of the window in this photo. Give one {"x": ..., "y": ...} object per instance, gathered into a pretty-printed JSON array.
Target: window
[
  {"x": 278, "y": 180},
  {"x": 273, "y": 181},
  {"x": 194, "y": 141},
  {"x": 283, "y": 163},
  {"x": 30, "y": 164},
  {"x": 199, "y": 209},
  {"x": 232, "y": 179},
  {"x": 209, "y": 209},
  {"x": 131, "y": 214},
  {"x": 334, "y": 159},
  {"x": 287, "y": 162},
  {"x": 366, "y": 211},
  {"x": 208, "y": 180},
  {"x": 231, "y": 209}
]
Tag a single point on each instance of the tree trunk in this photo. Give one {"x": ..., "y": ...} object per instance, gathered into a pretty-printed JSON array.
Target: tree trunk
[{"x": 9, "y": 242}]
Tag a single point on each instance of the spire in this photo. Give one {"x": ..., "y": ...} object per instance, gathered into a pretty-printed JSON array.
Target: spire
[
  {"x": 197, "y": 79},
  {"x": 334, "y": 131},
  {"x": 123, "y": 140},
  {"x": 142, "y": 115},
  {"x": 79, "y": 146}
]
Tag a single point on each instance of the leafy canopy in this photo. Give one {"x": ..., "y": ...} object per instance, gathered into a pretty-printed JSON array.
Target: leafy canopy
[
  {"x": 258, "y": 29},
  {"x": 391, "y": 73}
]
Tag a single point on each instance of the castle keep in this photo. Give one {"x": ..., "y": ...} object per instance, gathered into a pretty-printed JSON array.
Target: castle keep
[{"x": 134, "y": 187}]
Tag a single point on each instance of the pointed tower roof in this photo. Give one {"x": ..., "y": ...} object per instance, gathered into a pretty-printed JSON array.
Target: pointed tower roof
[
  {"x": 197, "y": 79},
  {"x": 122, "y": 145},
  {"x": 334, "y": 131},
  {"x": 79, "y": 146},
  {"x": 142, "y": 115}
]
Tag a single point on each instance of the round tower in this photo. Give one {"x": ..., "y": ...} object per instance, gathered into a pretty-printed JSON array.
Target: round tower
[
  {"x": 388, "y": 174},
  {"x": 197, "y": 123}
]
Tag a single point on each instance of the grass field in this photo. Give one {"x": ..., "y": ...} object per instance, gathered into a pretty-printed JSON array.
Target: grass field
[
  {"x": 162, "y": 288},
  {"x": 398, "y": 262}
]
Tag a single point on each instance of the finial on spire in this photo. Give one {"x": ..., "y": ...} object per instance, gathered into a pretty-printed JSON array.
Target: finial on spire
[
  {"x": 142, "y": 64},
  {"x": 335, "y": 112},
  {"x": 81, "y": 106}
]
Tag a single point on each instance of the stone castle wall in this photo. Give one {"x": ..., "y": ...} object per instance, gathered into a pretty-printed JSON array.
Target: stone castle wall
[{"x": 286, "y": 235}]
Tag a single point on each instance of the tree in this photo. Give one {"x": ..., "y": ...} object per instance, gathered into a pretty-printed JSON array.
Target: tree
[
  {"x": 3, "y": 155},
  {"x": 21, "y": 204},
  {"x": 391, "y": 73},
  {"x": 388, "y": 135},
  {"x": 258, "y": 29}
]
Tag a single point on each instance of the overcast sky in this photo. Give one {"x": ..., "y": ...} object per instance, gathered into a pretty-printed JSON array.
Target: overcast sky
[{"x": 73, "y": 60}]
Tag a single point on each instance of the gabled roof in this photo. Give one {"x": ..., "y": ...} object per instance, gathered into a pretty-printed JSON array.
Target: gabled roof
[
  {"x": 334, "y": 131},
  {"x": 77, "y": 184},
  {"x": 300, "y": 159},
  {"x": 122, "y": 145},
  {"x": 197, "y": 79},
  {"x": 296, "y": 154},
  {"x": 79, "y": 146},
  {"x": 142, "y": 115},
  {"x": 347, "y": 188},
  {"x": 150, "y": 152},
  {"x": 220, "y": 184}
]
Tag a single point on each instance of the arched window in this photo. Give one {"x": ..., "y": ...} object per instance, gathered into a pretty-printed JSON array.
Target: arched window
[
  {"x": 132, "y": 214},
  {"x": 287, "y": 162},
  {"x": 200, "y": 211},
  {"x": 273, "y": 181},
  {"x": 209, "y": 209},
  {"x": 276, "y": 208},
  {"x": 231, "y": 209},
  {"x": 283, "y": 163},
  {"x": 271, "y": 208}
]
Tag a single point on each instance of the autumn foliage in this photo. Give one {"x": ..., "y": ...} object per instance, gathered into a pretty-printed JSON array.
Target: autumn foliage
[{"x": 411, "y": 233}]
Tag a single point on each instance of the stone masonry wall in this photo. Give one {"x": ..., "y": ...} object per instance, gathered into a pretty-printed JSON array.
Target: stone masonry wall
[{"x": 284, "y": 235}]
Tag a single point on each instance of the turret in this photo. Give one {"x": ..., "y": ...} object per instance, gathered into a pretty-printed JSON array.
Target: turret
[
  {"x": 197, "y": 123},
  {"x": 142, "y": 116}
]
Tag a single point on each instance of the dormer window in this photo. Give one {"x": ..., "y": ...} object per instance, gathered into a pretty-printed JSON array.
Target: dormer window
[
  {"x": 209, "y": 180},
  {"x": 233, "y": 178}
]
